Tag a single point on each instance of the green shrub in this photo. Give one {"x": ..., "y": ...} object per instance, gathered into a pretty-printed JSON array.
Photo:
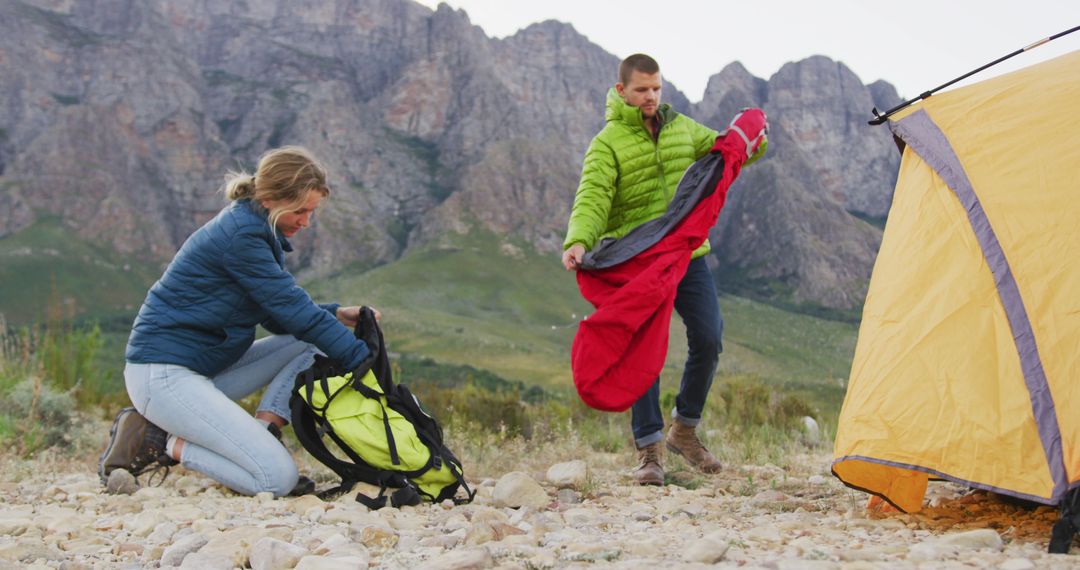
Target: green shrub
[
  {"x": 37, "y": 416},
  {"x": 500, "y": 412},
  {"x": 64, "y": 355},
  {"x": 750, "y": 404}
]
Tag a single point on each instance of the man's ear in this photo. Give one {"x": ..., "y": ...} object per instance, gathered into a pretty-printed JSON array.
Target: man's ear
[{"x": 619, "y": 87}]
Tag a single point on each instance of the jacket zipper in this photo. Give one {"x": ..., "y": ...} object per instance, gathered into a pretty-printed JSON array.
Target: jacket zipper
[{"x": 656, "y": 153}]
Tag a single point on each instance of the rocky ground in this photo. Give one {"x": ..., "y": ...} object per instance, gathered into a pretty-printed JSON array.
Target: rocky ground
[{"x": 576, "y": 514}]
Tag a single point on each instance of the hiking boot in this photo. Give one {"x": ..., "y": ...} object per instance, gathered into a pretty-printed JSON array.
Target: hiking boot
[
  {"x": 304, "y": 485},
  {"x": 650, "y": 470},
  {"x": 135, "y": 445},
  {"x": 683, "y": 440}
]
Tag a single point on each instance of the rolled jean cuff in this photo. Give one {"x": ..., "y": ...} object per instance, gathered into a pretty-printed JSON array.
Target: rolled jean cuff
[
  {"x": 649, "y": 439},
  {"x": 283, "y": 413},
  {"x": 688, "y": 422}
]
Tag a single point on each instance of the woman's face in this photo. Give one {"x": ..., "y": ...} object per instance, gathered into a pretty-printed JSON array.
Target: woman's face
[{"x": 291, "y": 222}]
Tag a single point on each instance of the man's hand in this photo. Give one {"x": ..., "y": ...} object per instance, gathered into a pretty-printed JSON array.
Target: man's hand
[
  {"x": 571, "y": 258},
  {"x": 349, "y": 316}
]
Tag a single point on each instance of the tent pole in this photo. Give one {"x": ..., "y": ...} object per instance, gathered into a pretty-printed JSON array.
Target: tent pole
[{"x": 881, "y": 117}]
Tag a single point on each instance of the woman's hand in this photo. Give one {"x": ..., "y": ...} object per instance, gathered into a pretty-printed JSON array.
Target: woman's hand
[{"x": 350, "y": 315}]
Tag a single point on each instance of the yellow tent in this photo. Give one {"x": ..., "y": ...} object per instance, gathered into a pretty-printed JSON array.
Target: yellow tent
[{"x": 967, "y": 366}]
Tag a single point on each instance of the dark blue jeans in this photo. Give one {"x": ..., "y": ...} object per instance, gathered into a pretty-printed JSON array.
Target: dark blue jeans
[{"x": 697, "y": 304}]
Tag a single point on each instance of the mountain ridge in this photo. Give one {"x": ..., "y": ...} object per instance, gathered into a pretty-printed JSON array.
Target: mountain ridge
[{"x": 122, "y": 117}]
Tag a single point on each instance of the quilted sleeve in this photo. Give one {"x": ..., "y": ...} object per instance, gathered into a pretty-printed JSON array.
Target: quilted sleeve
[
  {"x": 592, "y": 202},
  {"x": 250, "y": 262}
]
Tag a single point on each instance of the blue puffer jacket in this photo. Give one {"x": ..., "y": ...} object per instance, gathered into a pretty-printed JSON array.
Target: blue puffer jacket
[{"x": 228, "y": 277}]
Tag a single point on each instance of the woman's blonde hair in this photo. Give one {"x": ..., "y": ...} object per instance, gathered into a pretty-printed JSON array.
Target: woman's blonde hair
[{"x": 285, "y": 174}]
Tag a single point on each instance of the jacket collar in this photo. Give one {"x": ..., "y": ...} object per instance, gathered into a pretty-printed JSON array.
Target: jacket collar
[
  {"x": 618, "y": 110},
  {"x": 260, "y": 212}
]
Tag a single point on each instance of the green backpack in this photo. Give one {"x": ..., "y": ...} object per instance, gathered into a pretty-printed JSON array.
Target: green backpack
[{"x": 389, "y": 439}]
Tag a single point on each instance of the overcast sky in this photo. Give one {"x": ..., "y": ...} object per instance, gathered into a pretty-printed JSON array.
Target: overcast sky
[{"x": 914, "y": 44}]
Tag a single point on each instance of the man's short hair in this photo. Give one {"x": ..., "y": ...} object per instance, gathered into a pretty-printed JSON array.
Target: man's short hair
[{"x": 637, "y": 62}]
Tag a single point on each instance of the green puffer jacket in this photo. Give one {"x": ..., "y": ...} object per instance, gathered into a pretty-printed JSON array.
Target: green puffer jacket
[{"x": 628, "y": 178}]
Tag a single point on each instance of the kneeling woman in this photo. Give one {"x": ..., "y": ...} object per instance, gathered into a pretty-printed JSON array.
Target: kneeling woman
[{"x": 192, "y": 352}]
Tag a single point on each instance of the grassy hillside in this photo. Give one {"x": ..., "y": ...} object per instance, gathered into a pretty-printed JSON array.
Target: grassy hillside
[
  {"x": 475, "y": 301},
  {"x": 501, "y": 307},
  {"x": 48, "y": 265}
]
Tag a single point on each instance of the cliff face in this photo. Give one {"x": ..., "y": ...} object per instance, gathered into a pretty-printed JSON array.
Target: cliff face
[
  {"x": 121, "y": 117},
  {"x": 797, "y": 225}
]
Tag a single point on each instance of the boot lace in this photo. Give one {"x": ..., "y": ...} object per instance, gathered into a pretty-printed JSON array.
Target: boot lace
[{"x": 650, "y": 454}]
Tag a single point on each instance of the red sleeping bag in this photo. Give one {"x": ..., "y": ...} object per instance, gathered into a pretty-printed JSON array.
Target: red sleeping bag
[{"x": 620, "y": 349}]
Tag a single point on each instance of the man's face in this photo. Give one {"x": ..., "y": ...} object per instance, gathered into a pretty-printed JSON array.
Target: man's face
[{"x": 642, "y": 91}]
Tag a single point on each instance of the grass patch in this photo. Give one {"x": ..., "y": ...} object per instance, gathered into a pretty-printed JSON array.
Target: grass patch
[
  {"x": 471, "y": 302},
  {"x": 46, "y": 261}
]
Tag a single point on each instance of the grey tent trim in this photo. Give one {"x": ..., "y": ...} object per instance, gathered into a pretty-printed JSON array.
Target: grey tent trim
[
  {"x": 697, "y": 183},
  {"x": 924, "y": 137}
]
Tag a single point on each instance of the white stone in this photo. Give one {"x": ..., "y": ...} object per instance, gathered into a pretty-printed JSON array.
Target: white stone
[
  {"x": 490, "y": 515},
  {"x": 806, "y": 565},
  {"x": 358, "y": 515},
  {"x": 929, "y": 551},
  {"x": 769, "y": 496},
  {"x": 1016, "y": 564},
  {"x": 301, "y": 505},
  {"x": 705, "y": 551},
  {"x": 163, "y": 533},
  {"x": 174, "y": 555},
  {"x": 273, "y": 554},
  {"x": 184, "y": 513},
  {"x": 579, "y": 517},
  {"x": 764, "y": 534},
  {"x": 517, "y": 489},
  {"x": 330, "y": 544},
  {"x": 471, "y": 559},
  {"x": 379, "y": 537},
  {"x": 14, "y": 526},
  {"x": 152, "y": 493},
  {"x": 144, "y": 523},
  {"x": 980, "y": 538},
  {"x": 328, "y": 563},
  {"x": 572, "y": 474},
  {"x": 235, "y": 544},
  {"x": 200, "y": 561},
  {"x": 811, "y": 429}
]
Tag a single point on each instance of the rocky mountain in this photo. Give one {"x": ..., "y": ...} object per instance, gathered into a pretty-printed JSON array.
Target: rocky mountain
[
  {"x": 119, "y": 118},
  {"x": 796, "y": 227}
]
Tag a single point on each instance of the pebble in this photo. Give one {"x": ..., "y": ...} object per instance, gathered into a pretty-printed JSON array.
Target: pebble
[
  {"x": 174, "y": 555},
  {"x": 517, "y": 489},
  {"x": 121, "y": 482},
  {"x": 795, "y": 518},
  {"x": 572, "y": 474}
]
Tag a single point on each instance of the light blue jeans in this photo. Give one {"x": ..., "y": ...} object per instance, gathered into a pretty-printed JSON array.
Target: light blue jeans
[{"x": 221, "y": 440}]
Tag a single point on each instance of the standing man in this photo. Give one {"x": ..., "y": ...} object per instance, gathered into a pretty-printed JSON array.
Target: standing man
[{"x": 629, "y": 176}]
